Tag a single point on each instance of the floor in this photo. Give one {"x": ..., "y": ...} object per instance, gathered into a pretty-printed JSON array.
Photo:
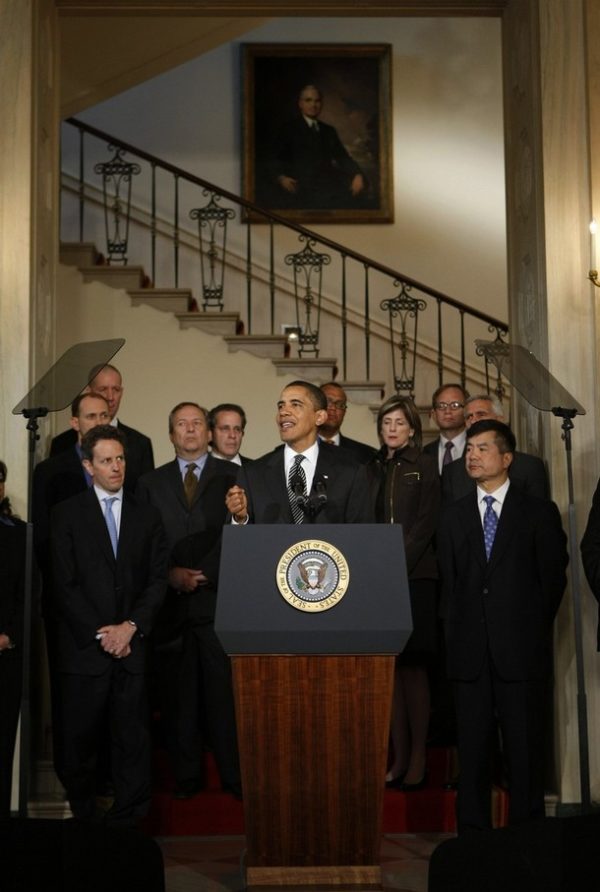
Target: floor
[{"x": 215, "y": 864}]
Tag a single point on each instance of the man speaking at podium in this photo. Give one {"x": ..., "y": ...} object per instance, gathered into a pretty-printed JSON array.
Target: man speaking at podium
[{"x": 301, "y": 481}]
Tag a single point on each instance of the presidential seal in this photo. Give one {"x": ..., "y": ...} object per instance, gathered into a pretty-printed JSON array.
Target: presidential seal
[{"x": 313, "y": 575}]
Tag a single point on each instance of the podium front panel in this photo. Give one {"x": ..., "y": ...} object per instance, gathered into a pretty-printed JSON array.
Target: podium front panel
[{"x": 372, "y": 617}]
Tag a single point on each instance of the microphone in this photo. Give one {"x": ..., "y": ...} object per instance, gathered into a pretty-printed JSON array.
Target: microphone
[
  {"x": 297, "y": 487},
  {"x": 321, "y": 492}
]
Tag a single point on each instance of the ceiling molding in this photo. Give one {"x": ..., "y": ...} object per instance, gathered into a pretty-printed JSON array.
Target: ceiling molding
[{"x": 279, "y": 8}]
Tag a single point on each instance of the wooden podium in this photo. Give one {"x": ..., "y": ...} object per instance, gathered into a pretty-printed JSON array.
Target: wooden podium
[{"x": 313, "y": 692}]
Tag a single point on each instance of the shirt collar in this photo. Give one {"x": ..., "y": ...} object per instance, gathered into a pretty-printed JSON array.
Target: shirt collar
[
  {"x": 102, "y": 494},
  {"x": 311, "y": 455},
  {"x": 498, "y": 494},
  {"x": 184, "y": 462}
]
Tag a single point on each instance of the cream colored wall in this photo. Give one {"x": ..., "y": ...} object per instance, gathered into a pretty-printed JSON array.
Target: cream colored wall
[
  {"x": 447, "y": 141},
  {"x": 28, "y": 215},
  {"x": 553, "y": 307},
  {"x": 162, "y": 365}
]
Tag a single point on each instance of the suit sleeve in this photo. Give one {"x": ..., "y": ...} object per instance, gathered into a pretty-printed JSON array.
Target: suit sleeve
[
  {"x": 146, "y": 456},
  {"x": 422, "y": 530},
  {"x": 359, "y": 507},
  {"x": 552, "y": 556},
  {"x": 149, "y": 600},
  {"x": 590, "y": 546},
  {"x": 445, "y": 556},
  {"x": 535, "y": 480},
  {"x": 81, "y": 615}
]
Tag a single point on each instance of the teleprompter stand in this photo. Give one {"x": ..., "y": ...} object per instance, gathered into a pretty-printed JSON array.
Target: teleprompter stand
[{"x": 313, "y": 690}]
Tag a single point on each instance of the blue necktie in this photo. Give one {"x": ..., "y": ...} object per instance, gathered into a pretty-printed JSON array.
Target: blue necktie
[
  {"x": 111, "y": 523},
  {"x": 490, "y": 525}
]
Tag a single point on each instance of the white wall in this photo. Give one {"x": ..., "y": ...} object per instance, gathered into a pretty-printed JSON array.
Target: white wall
[{"x": 447, "y": 141}]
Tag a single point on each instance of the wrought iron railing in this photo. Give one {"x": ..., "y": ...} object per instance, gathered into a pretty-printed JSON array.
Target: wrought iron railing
[{"x": 373, "y": 311}]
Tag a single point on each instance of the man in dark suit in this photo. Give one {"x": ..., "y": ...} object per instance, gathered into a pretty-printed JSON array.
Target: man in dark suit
[
  {"x": 54, "y": 480},
  {"x": 310, "y": 164},
  {"x": 502, "y": 556},
  {"x": 106, "y": 381},
  {"x": 526, "y": 471},
  {"x": 590, "y": 551},
  {"x": 109, "y": 560},
  {"x": 227, "y": 425},
  {"x": 332, "y": 487},
  {"x": 330, "y": 431},
  {"x": 63, "y": 475},
  {"x": 447, "y": 411},
  {"x": 189, "y": 493}
]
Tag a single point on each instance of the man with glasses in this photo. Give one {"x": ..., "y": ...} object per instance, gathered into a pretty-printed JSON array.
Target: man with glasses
[
  {"x": 447, "y": 411},
  {"x": 329, "y": 432},
  {"x": 526, "y": 471}
]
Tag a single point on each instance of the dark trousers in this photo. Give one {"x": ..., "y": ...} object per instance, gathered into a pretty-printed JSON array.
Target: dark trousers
[
  {"x": 199, "y": 673},
  {"x": 518, "y": 707},
  {"x": 87, "y": 702},
  {"x": 10, "y": 704}
]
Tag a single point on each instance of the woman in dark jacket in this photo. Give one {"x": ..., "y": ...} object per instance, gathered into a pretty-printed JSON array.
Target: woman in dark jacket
[
  {"x": 12, "y": 578},
  {"x": 406, "y": 490}
]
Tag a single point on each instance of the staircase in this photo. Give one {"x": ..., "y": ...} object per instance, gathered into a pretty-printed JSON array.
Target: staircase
[
  {"x": 229, "y": 326},
  {"x": 375, "y": 329}
]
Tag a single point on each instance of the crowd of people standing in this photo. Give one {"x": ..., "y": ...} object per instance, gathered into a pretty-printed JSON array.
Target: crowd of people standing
[{"x": 128, "y": 557}]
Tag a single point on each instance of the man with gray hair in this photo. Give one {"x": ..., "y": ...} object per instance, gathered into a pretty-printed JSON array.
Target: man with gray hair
[{"x": 526, "y": 471}]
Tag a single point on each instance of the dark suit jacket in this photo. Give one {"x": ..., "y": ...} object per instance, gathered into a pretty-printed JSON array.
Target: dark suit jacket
[
  {"x": 54, "y": 480},
  {"x": 590, "y": 551},
  {"x": 193, "y": 536},
  {"x": 92, "y": 588},
  {"x": 12, "y": 583},
  {"x": 509, "y": 603},
  {"x": 362, "y": 452},
  {"x": 527, "y": 471},
  {"x": 346, "y": 483},
  {"x": 432, "y": 448},
  {"x": 163, "y": 488},
  {"x": 318, "y": 161},
  {"x": 139, "y": 455}
]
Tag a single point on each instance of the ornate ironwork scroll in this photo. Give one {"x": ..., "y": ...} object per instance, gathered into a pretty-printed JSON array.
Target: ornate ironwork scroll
[{"x": 308, "y": 282}]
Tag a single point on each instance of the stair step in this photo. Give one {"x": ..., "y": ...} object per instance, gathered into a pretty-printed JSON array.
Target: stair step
[
  {"x": 169, "y": 300},
  {"x": 79, "y": 254},
  {"x": 223, "y": 324},
  {"x": 265, "y": 346},
  {"x": 123, "y": 277},
  {"x": 365, "y": 393},
  {"x": 319, "y": 371}
]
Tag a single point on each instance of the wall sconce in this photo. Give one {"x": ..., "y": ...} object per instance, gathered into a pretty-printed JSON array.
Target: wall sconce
[{"x": 593, "y": 273}]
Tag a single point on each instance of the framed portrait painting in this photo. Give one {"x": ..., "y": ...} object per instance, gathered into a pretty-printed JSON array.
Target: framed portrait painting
[{"x": 317, "y": 131}]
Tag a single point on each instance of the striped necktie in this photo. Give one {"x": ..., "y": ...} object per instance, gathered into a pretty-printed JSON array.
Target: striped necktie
[{"x": 296, "y": 482}]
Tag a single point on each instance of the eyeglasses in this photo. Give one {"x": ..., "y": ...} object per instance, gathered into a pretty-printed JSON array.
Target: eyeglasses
[
  {"x": 337, "y": 404},
  {"x": 453, "y": 405}
]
